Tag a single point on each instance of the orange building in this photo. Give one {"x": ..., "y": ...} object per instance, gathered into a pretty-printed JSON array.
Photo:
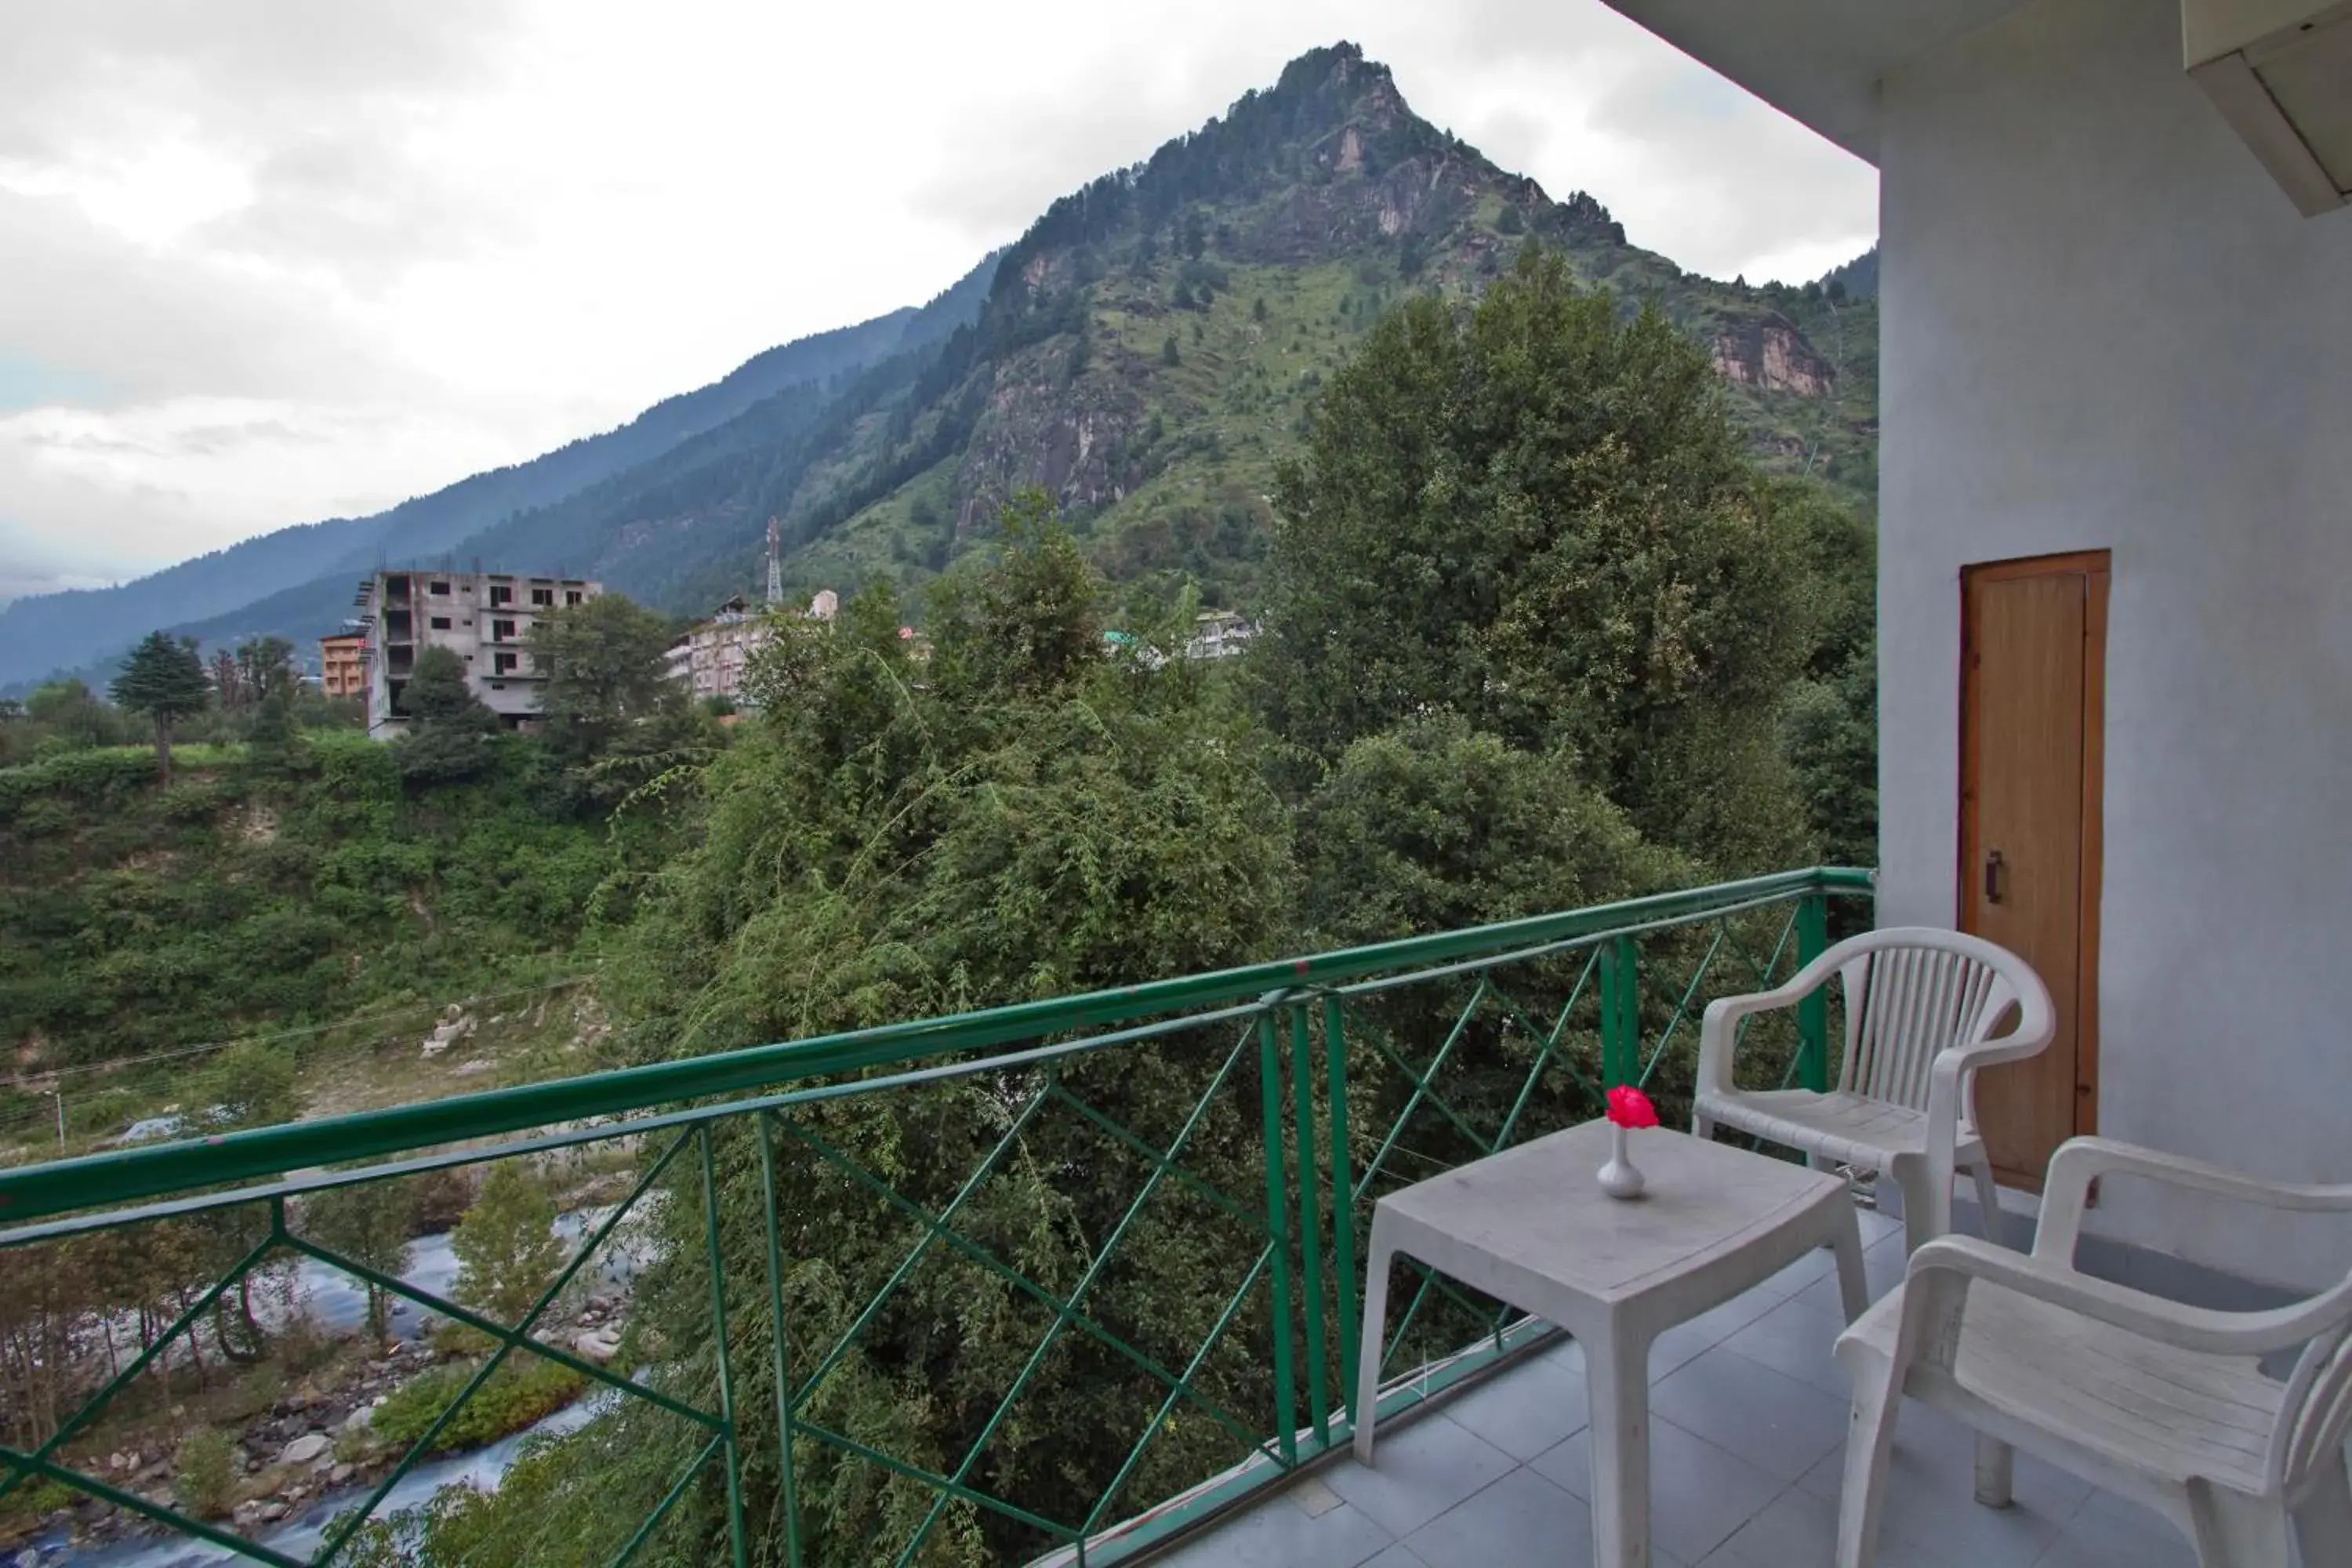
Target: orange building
[{"x": 343, "y": 665}]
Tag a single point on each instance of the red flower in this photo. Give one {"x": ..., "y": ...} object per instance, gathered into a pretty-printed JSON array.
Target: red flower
[{"x": 1629, "y": 1107}]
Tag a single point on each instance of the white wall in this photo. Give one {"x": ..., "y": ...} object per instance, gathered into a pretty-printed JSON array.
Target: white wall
[{"x": 2106, "y": 327}]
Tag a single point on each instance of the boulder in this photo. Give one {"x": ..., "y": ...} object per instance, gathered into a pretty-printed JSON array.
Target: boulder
[
  {"x": 597, "y": 1345},
  {"x": 302, "y": 1450},
  {"x": 340, "y": 1474},
  {"x": 274, "y": 1509},
  {"x": 360, "y": 1420}
]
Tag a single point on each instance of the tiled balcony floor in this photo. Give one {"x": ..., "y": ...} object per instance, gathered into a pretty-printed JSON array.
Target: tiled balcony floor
[{"x": 1749, "y": 1419}]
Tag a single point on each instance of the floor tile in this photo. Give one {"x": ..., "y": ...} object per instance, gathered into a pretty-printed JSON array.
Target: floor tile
[
  {"x": 1797, "y": 1529},
  {"x": 1794, "y": 1339},
  {"x": 1525, "y": 1411},
  {"x": 1522, "y": 1518},
  {"x": 1686, "y": 1342},
  {"x": 1775, "y": 1422},
  {"x": 1399, "y": 1556},
  {"x": 1419, "y": 1473},
  {"x": 2108, "y": 1532},
  {"x": 1699, "y": 1494},
  {"x": 1821, "y": 1263},
  {"x": 1883, "y": 1263},
  {"x": 1278, "y": 1534}
]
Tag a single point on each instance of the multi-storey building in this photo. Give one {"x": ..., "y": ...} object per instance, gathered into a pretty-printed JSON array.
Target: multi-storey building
[
  {"x": 483, "y": 618},
  {"x": 343, "y": 664}
]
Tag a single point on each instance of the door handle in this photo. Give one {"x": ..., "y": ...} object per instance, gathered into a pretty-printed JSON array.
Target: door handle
[{"x": 1992, "y": 869}]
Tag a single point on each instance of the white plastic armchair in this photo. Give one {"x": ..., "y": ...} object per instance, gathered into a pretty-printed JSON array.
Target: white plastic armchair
[
  {"x": 1920, "y": 1006},
  {"x": 2162, "y": 1403}
]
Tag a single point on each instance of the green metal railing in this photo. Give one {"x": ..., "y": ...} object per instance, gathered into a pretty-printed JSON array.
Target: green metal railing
[{"x": 1158, "y": 1190}]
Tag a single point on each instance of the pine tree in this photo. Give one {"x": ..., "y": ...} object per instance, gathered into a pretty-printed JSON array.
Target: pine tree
[
  {"x": 1167, "y": 354},
  {"x": 165, "y": 681}
]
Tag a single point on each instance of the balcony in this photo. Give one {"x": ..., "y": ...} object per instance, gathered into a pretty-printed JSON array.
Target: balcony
[{"x": 1176, "y": 1276}]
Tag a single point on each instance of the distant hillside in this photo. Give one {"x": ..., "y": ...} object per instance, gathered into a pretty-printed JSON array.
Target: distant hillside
[
  {"x": 298, "y": 581},
  {"x": 1151, "y": 349}
]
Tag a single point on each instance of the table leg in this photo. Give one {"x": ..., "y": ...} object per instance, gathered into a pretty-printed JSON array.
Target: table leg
[
  {"x": 1617, "y": 1387},
  {"x": 1376, "y": 1328},
  {"x": 1854, "y": 1286}
]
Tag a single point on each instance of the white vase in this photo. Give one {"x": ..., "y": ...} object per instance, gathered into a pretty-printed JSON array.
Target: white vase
[{"x": 1619, "y": 1179}]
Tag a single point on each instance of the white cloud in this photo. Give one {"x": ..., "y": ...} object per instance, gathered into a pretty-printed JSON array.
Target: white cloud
[{"x": 277, "y": 260}]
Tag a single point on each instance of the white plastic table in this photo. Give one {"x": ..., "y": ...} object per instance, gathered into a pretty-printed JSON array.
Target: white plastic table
[{"x": 1532, "y": 1226}]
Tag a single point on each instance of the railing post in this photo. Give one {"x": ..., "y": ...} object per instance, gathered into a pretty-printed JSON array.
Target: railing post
[
  {"x": 772, "y": 1199},
  {"x": 1310, "y": 1201},
  {"x": 1621, "y": 1014},
  {"x": 1813, "y": 1011},
  {"x": 1343, "y": 1195},
  {"x": 1277, "y": 1226}
]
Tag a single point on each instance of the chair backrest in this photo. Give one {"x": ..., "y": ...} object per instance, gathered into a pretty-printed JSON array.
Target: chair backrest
[{"x": 1911, "y": 991}]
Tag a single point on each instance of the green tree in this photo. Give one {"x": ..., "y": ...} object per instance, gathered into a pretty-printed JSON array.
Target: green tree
[
  {"x": 604, "y": 664},
  {"x": 253, "y": 1085},
  {"x": 1167, "y": 354},
  {"x": 1541, "y": 517},
  {"x": 448, "y": 737},
  {"x": 164, "y": 680},
  {"x": 1509, "y": 221},
  {"x": 372, "y": 1223},
  {"x": 508, "y": 1251},
  {"x": 1257, "y": 309}
]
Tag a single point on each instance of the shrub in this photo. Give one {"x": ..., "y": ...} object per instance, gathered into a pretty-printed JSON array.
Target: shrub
[
  {"x": 517, "y": 1394},
  {"x": 208, "y": 1477}
]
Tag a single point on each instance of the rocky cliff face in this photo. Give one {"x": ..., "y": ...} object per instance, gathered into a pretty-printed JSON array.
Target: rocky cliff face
[{"x": 1775, "y": 357}]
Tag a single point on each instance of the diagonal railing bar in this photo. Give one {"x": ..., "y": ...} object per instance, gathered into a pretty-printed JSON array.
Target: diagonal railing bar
[
  {"x": 1158, "y": 1422},
  {"x": 906, "y": 1265},
  {"x": 1548, "y": 1051},
  {"x": 1430, "y": 1279},
  {"x": 1682, "y": 1007},
  {"x": 936, "y": 1481},
  {"x": 1137, "y": 1146},
  {"x": 132, "y": 1502},
  {"x": 355, "y": 1520},
  {"x": 501, "y": 1332},
  {"x": 98, "y": 1402},
  {"x": 1011, "y": 1275},
  {"x": 629, "y": 1551},
  {"x": 1387, "y": 1049},
  {"x": 1104, "y": 1253}
]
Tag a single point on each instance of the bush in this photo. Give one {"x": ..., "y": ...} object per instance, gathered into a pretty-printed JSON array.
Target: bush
[
  {"x": 208, "y": 1478},
  {"x": 517, "y": 1394}
]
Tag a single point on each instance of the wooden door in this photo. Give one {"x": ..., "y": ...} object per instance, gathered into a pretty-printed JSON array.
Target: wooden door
[{"x": 2033, "y": 640}]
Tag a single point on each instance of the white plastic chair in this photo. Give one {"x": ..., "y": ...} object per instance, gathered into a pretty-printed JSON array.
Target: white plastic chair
[
  {"x": 2163, "y": 1404},
  {"x": 1920, "y": 1003}
]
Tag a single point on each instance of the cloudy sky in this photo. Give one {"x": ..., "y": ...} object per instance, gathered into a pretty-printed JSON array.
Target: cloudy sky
[{"x": 266, "y": 261}]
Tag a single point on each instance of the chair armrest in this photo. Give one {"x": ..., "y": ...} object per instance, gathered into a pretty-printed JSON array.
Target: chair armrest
[
  {"x": 2081, "y": 1161},
  {"x": 1719, "y": 1028},
  {"x": 2150, "y": 1317}
]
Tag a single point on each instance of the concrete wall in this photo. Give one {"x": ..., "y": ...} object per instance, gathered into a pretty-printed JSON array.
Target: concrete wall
[{"x": 2106, "y": 327}]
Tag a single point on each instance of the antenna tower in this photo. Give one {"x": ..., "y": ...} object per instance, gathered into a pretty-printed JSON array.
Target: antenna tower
[{"x": 775, "y": 567}]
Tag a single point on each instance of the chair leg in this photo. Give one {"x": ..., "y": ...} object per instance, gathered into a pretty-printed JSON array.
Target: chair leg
[
  {"x": 1996, "y": 1471},
  {"x": 1989, "y": 1199},
  {"x": 1869, "y": 1439},
  {"x": 2238, "y": 1531},
  {"x": 1924, "y": 1218},
  {"x": 2324, "y": 1522},
  {"x": 1368, "y": 1358}
]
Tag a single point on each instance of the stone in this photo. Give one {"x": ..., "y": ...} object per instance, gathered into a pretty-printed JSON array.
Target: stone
[
  {"x": 340, "y": 1474},
  {"x": 360, "y": 1420},
  {"x": 597, "y": 1345},
  {"x": 275, "y": 1510},
  {"x": 305, "y": 1448}
]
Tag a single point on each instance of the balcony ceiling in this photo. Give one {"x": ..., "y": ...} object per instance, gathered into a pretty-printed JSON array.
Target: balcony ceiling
[{"x": 1817, "y": 62}]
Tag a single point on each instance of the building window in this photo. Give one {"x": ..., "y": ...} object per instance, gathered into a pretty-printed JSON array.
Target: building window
[
  {"x": 570, "y": 595},
  {"x": 501, "y": 595},
  {"x": 543, "y": 597},
  {"x": 441, "y": 587},
  {"x": 502, "y": 663},
  {"x": 440, "y": 623},
  {"x": 497, "y": 686},
  {"x": 500, "y": 631}
]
